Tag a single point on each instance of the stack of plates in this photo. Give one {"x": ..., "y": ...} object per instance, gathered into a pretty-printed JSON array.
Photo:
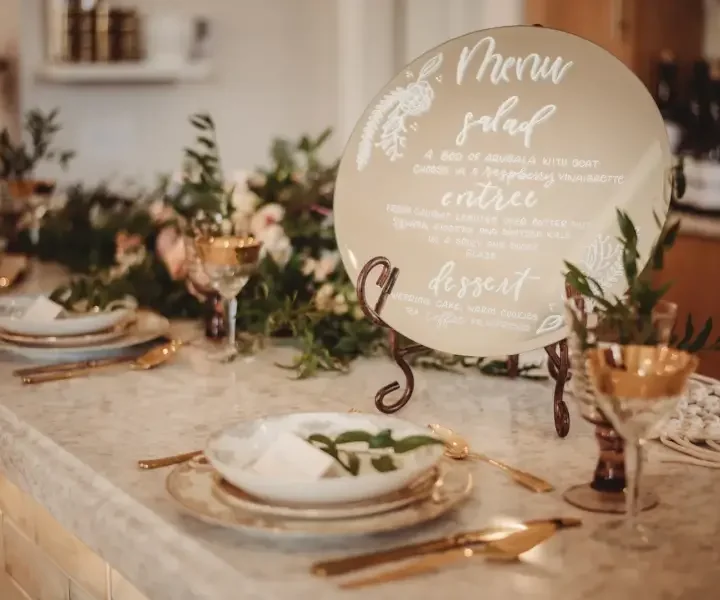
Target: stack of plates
[
  {"x": 74, "y": 336},
  {"x": 224, "y": 490}
]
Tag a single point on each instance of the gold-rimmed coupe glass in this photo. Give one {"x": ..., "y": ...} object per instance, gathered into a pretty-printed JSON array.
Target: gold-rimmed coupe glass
[
  {"x": 228, "y": 261},
  {"x": 605, "y": 492},
  {"x": 637, "y": 388}
]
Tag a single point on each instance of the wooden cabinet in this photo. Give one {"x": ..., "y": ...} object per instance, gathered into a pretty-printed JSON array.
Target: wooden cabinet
[
  {"x": 693, "y": 268},
  {"x": 636, "y": 31}
]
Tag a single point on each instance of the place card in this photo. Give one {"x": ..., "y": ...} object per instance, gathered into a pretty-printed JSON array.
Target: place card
[
  {"x": 42, "y": 309},
  {"x": 291, "y": 457},
  {"x": 486, "y": 163}
]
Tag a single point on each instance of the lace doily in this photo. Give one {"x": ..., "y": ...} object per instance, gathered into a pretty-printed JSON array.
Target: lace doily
[{"x": 697, "y": 417}]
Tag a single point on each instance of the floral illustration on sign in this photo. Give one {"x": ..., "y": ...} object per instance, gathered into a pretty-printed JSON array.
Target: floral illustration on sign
[
  {"x": 387, "y": 123},
  {"x": 602, "y": 261}
]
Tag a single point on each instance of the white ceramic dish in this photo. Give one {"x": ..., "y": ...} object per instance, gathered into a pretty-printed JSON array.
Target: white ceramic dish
[
  {"x": 191, "y": 487},
  {"x": 414, "y": 492},
  {"x": 12, "y": 308},
  {"x": 148, "y": 326},
  {"x": 233, "y": 451}
]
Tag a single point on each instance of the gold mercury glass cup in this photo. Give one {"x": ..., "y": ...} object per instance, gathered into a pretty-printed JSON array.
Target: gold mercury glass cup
[
  {"x": 637, "y": 388},
  {"x": 228, "y": 261}
]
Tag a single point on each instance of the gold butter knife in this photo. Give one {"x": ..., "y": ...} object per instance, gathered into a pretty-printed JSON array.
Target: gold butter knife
[
  {"x": 167, "y": 461},
  {"x": 506, "y": 549},
  {"x": 148, "y": 360},
  {"x": 349, "y": 564},
  {"x": 83, "y": 364}
]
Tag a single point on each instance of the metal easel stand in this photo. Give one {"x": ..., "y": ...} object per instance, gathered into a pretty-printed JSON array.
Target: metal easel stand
[{"x": 558, "y": 358}]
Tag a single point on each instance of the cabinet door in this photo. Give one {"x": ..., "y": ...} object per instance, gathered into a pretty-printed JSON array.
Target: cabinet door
[{"x": 604, "y": 22}]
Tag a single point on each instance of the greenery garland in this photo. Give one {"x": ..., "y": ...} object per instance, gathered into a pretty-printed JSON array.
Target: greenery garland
[{"x": 120, "y": 245}]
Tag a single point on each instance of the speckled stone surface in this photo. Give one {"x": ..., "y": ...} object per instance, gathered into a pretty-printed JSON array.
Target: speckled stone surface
[{"x": 73, "y": 446}]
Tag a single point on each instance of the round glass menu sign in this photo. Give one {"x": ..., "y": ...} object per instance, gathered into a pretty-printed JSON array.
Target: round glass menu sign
[{"x": 481, "y": 167}]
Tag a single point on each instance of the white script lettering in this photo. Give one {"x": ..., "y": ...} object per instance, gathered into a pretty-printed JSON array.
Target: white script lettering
[
  {"x": 541, "y": 68},
  {"x": 498, "y": 122},
  {"x": 445, "y": 282},
  {"x": 491, "y": 196}
]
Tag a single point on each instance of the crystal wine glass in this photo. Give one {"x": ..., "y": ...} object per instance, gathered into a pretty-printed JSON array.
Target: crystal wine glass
[
  {"x": 228, "y": 259},
  {"x": 637, "y": 388}
]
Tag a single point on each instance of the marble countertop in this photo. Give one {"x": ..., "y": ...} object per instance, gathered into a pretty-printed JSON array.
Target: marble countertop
[{"x": 73, "y": 446}]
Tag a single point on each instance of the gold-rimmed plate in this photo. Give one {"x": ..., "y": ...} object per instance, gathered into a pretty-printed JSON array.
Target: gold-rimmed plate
[
  {"x": 416, "y": 491},
  {"x": 191, "y": 486},
  {"x": 68, "y": 341},
  {"x": 148, "y": 327}
]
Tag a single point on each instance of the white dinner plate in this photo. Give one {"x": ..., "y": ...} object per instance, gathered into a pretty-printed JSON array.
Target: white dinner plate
[
  {"x": 191, "y": 485},
  {"x": 234, "y": 451},
  {"x": 12, "y": 308},
  {"x": 482, "y": 166},
  {"x": 148, "y": 326},
  {"x": 414, "y": 492}
]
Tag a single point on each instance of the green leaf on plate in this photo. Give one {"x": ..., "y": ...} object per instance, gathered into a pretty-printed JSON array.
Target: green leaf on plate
[
  {"x": 382, "y": 439},
  {"x": 384, "y": 463},
  {"x": 353, "y": 436},
  {"x": 413, "y": 442}
]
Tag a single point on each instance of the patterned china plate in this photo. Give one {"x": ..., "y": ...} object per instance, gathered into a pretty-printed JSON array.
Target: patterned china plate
[
  {"x": 191, "y": 486},
  {"x": 418, "y": 490},
  {"x": 67, "y": 341}
]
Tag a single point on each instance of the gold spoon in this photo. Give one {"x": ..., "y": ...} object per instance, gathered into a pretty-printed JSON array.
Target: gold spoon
[
  {"x": 149, "y": 360},
  {"x": 456, "y": 447}
]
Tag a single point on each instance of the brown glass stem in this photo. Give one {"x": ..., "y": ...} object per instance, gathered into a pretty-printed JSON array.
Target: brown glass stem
[{"x": 610, "y": 470}]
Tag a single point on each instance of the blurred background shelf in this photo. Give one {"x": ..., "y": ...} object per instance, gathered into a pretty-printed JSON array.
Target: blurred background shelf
[{"x": 140, "y": 72}]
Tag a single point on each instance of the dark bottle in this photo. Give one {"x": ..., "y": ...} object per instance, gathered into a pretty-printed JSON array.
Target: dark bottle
[
  {"x": 215, "y": 326},
  {"x": 714, "y": 104},
  {"x": 697, "y": 140},
  {"x": 666, "y": 87}
]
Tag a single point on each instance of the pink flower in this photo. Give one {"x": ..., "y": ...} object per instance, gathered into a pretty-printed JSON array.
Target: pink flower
[
  {"x": 161, "y": 212},
  {"x": 126, "y": 243},
  {"x": 266, "y": 216},
  {"x": 170, "y": 247}
]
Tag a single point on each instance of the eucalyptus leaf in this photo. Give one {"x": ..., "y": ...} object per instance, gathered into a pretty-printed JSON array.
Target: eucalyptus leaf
[
  {"x": 413, "y": 442},
  {"x": 353, "y": 436},
  {"x": 382, "y": 439},
  {"x": 319, "y": 438},
  {"x": 384, "y": 464}
]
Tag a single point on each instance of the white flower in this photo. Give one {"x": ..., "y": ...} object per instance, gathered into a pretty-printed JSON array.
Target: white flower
[
  {"x": 58, "y": 201},
  {"x": 340, "y": 305},
  {"x": 97, "y": 216},
  {"x": 322, "y": 268},
  {"x": 276, "y": 244},
  {"x": 265, "y": 217},
  {"x": 243, "y": 200},
  {"x": 324, "y": 297},
  {"x": 358, "y": 313}
]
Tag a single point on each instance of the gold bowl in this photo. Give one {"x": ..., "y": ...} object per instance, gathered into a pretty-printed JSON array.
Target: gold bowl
[
  {"x": 228, "y": 250},
  {"x": 640, "y": 371}
]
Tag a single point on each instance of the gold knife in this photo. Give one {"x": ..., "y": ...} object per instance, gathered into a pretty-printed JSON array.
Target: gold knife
[
  {"x": 342, "y": 566},
  {"x": 506, "y": 549},
  {"x": 71, "y": 366}
]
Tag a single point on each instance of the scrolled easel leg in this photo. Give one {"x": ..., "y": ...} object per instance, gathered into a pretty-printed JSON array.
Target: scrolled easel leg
[
  {"x": 385, "y": 281},
  {"x": 398, "y": 353},
  {"x": 559, "y": 368}
]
